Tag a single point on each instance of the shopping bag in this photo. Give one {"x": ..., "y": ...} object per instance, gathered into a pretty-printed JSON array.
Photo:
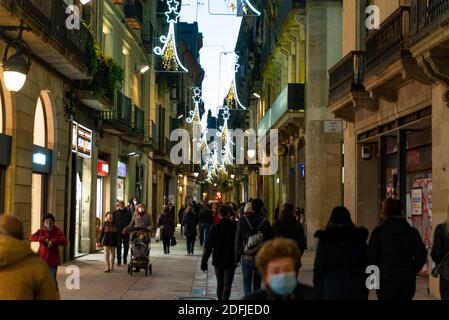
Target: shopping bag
[{"x": 158, "y": 234}]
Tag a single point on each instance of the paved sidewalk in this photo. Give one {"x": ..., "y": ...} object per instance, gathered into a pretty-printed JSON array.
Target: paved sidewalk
[{"x": 175, "y": 276}]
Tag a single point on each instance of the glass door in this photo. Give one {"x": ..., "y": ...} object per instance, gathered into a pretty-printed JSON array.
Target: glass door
[{"x": 36, "y": 205}]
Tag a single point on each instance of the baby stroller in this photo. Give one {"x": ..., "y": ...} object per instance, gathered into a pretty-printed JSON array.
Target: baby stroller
[{"x": 140, "y": 246}]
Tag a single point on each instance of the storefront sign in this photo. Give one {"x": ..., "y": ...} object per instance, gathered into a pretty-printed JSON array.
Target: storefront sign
[
  {"x": 5, "y": 146},
  {"x": 42, "y": 160},
  {"x": 81, "y": 140},
  {"x": 103, "y": 168},
  {"x": 121, "y": 169},
  {"x": 417, "y": 202}
]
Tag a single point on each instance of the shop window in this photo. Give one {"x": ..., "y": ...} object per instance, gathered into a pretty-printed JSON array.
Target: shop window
[
  {"x": 2, "y": 189},
  {"x": 2, "y": 125}
]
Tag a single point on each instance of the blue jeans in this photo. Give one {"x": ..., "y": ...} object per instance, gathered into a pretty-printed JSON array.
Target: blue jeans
[
  {"x": 204, "y": 231},
  {"x": 251, "y": 278},
  {"x": 54, "y": 273},
  {"x": 125, "y": 239},
  {"x": 190, "y": 244}
]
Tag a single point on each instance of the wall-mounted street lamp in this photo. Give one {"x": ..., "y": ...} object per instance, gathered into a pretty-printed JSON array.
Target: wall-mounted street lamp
[
  {"x": 83, "y": 2},
  {"x": 17, "y": 65}
]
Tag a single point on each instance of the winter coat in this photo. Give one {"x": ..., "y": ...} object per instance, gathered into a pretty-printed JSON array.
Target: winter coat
[
  {"x": 206, "y": 216},
  {"x": 399, "y": 252},
  {"x": 167, "y": 224},
  {"x": 145, "y": 222},
  {"x": 291, "y": 229},
  {"x": 340, "y": 263},
  {"x": 190, "y": 223},
  {"x": 49, "y": 255},
  {"x": 243, "y": 232},
  {"x": 109, "y": 235},
  {"x": 440, "y": 248},
  {"x": 23, "y": 275},
  {"x": 302, "y": 292},
  {"x": 121, "y": 218},
  {"x": 221, "y": 245}
]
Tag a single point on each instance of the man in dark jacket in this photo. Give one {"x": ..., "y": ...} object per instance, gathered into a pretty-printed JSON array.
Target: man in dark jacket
[
  {"x": 440, "y": 255},
  {"x": 122, "y": 218},
  {"x": 251, "y": 223},
  {"x": 205, "y": 221},
  {"x": 399, "y": 252},
  {"x": 221, "y": 245}
]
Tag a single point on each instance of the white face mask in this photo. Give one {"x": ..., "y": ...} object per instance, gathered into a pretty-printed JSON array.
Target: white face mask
[
  {"x": 48, "y": 226},
  {"x": 135, "y": 202}
]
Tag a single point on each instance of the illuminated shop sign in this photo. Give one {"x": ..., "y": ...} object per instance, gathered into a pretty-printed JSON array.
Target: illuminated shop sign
[
  {"x": 42, "y": 160},
  {"x": 103, "y": 168},
  {"x": 81, "y": 140},
  {"x": 121, "y": 169}
]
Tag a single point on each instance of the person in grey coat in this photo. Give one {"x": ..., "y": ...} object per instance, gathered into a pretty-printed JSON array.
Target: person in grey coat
[{"x": 141, "y": 220}]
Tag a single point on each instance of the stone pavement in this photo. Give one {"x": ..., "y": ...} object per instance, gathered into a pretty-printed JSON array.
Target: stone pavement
[{"x": 175, "y": 276}]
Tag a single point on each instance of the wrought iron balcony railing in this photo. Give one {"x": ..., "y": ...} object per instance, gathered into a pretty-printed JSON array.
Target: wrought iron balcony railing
[
  {"x": 385, "y": 45},
  {"x": 347, "y": 75},
  {"x": 121, "y": 113},
  {"x": 134, "y": 13},
  {"x": 51, "y": 17},
  {"x": 426, "y": 16},
  {"x": 139, "y": 121}
]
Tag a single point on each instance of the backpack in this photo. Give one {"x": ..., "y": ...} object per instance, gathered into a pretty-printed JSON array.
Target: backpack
[{"x": 254, "y": 240}]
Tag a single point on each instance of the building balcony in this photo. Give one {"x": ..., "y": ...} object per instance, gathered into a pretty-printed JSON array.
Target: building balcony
[
  {"x": 287, "y": 108},
  {"x": 68, "y": 51},
  {"x": 346, "y": 90},
  {"x": 118, "y": 120},
  {"x": 287, "y": 9},
  {"x": 388, "y": 59},
  {"x": 134, "y": 13},
  {"x": 429, "y": 37}
]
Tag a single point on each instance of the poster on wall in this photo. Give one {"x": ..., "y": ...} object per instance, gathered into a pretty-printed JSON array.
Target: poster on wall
[
  {"x": 417, "y": 201},
  {"x": 120, "y": 189},
  {"x": 81, "y": 140}
]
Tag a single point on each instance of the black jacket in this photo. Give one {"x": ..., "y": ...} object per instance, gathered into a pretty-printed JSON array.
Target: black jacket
[
  {"x": 109, "y": 235},
  {"x": 206, "y": 215},
  {"x": 340, "y": 263},
  {"x": 398, "y": 250},
  {"x": 243, "y": 231},
  {"x": 291, "y": 229},
  {"x": 190, "y": 223},
  {"x": 122, "y": 218},
  {"x": 440, "y": 248},
  {"x": 221, "y": 245},
  {"x": 302, "y": 292}
]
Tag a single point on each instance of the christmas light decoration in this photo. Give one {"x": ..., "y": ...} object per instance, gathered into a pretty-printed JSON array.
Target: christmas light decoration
[
  {"x": 169, "y": 54},
  {"x": 232, "y": 99}
]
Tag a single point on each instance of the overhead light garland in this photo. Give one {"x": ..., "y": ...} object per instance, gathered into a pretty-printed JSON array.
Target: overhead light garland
[{"x": 169, "y": 53}]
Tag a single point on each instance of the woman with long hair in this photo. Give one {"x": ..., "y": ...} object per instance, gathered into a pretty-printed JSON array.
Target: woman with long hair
[{"x": 341, "y": 259}]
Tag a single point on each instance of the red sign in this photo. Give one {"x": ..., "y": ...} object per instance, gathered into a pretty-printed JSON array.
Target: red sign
[{"x": 103, "y": 168}]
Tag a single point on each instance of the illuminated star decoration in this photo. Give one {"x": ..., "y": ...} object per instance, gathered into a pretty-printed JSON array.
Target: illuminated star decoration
[
  {"x": 195, "y": 114},
  {"x": 169, "y": 54},
  {"x": 226, "y": 140}
]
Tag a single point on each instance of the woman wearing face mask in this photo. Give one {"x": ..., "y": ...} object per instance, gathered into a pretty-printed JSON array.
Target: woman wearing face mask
[
  {"x": 278, "y": 262},
  {"x": 49, "y": 238},
  {"x": 141, "y": 219}
]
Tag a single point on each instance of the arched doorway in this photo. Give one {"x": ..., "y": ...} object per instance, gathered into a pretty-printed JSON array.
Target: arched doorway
[
  {"x": 5, "y": 154},
  {"x": 41, "y": 163}
]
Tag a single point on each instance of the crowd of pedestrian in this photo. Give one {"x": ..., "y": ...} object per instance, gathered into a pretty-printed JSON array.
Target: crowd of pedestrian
[{"x": 268, "y": 252}]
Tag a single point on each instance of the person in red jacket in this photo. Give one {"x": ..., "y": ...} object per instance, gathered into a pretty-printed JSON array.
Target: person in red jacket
[{"x": 49, "y": 238}]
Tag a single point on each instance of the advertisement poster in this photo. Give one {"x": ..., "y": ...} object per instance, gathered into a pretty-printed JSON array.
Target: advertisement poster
[
  {"x": 417, "y": 200},
  {"x": 121, "y": 189}
]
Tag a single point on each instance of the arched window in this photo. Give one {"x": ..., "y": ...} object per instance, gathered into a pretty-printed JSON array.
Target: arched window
[{"x": 40, "y": 125}]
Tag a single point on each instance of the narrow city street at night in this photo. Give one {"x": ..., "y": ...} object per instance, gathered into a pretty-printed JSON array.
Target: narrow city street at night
[{"x": 224, "y": 158}]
